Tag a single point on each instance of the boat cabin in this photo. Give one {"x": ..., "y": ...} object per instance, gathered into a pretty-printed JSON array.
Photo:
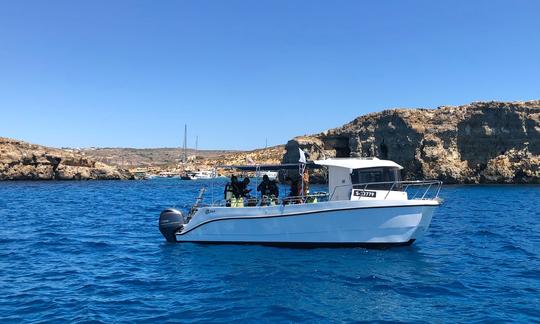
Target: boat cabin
[
  {"x": 363, "y": 178},
  {"x": 348, "y": 178}
]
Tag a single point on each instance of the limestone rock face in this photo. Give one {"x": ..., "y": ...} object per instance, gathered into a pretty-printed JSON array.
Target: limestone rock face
[
  {"x": 24, "y": 161},
  {"x": 270, "y": 155},
  {"x": 482, "y": 142}
]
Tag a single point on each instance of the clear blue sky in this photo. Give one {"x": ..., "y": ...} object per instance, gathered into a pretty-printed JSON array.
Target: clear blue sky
[{"x": 132, "y": 73}]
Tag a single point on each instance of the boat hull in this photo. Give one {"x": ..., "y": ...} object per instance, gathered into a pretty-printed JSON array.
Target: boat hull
[{"x": 322, "y": 224}]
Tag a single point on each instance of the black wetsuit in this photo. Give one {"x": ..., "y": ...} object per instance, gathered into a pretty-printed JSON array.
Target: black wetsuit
[
  {"x": 240, "y": 189},
  {"x": 295, "y": 189},
  {"x": 274, "y": 189},
  {"x": 264, "y": 188}
]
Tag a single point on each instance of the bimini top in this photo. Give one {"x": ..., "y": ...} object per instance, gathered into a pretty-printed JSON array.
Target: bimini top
[
  {"x": 358, "y": 163},
  {"x": 349, "y": 163},
  {"x": 269, "y": 167}
]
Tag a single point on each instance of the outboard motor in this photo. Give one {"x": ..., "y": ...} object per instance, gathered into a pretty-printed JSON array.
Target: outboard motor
[{"x": 170, "y": 222}]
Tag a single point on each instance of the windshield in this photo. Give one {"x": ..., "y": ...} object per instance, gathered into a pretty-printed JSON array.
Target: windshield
[{"x": 361, "y": 176}]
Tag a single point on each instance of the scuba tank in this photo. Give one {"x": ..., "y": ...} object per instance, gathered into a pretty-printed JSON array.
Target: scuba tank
[{"x": 228, "y": 194}]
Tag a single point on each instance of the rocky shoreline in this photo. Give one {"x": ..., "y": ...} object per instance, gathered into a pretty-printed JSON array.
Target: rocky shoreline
[
  {"x": 482, "y": 142},
  {"x": 23, "y": 161}
]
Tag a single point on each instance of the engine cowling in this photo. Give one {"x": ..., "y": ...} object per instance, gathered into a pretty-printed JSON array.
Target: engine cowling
[{"x": 170, "y": 222}]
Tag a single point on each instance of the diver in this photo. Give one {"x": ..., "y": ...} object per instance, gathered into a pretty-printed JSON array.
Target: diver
[
  {"x": 239, "y": 192},
  {"x": 274, "y": 192},
  {"x": 243, "y": 191},
  {"x": 294, "y": 193},
  {"x": 229, "y": 191},
  {"x": 269, "y": 191},
  {"x": 264, "y": 186},
  {"x": 305, "y": 183}
]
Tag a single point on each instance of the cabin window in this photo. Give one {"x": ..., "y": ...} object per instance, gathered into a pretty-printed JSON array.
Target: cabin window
[{"x": 369, "y": 175}]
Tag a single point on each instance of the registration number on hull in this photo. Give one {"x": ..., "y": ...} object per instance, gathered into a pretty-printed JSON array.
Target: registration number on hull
[{"x": 363, "y": 193}]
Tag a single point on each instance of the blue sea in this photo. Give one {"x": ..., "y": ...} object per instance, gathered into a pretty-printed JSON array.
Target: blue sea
[{"x": 82, "y": 252}]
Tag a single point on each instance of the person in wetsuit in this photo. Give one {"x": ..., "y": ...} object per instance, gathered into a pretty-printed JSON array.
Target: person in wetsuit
[
  {"x": 241, "y": 188},
  {"x": 269, "y": 191},
  {"x": 274, "y": 191},
  {"x": 295, "y": 191},
  {"x": 264, "y": 186},
  {"x": 305, "y": 183},
  {"x": 229, "y": 193}
]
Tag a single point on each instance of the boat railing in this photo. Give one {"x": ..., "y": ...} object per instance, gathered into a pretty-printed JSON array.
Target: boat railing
[
  {"x": 416, "y": 189},
  {"x": 273, "y": 201},
  {"x": 198, "y": 203}
]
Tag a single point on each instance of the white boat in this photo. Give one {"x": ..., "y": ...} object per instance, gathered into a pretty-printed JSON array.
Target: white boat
[
  {"x": 167, "y": 174},
  {"x": 202, "y": 175},
  {"x": 198, "y": 175},
  {"x": 367, "y": 205}
]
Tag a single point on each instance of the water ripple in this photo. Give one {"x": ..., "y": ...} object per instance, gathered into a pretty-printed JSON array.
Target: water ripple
[{"x": 90, "y": 252}]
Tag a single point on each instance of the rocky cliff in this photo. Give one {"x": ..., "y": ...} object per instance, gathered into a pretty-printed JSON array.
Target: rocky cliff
[
  {"x": 24, "y": 161},
  {"x": 482, "y": 142},
  {"x": 270, "y": 155}
]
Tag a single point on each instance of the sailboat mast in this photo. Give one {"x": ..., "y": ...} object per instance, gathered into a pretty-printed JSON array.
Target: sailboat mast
[{"x": 184, "y": 158}]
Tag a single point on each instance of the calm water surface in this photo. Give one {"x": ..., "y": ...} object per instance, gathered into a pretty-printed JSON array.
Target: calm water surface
[{"x": 91, "y": 252}]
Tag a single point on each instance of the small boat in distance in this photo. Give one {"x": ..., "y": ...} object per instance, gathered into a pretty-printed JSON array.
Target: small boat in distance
[
  {"x": 167, "y": 174},
  {"x": 186, "y": 176},
  {"x": 197, "y": 175},
  {"x": 203, "y": 175},
  {"x": 367, "y": 204}
]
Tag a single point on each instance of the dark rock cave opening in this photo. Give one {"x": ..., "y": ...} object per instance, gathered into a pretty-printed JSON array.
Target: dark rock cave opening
[{"x": 339, "y": 144}]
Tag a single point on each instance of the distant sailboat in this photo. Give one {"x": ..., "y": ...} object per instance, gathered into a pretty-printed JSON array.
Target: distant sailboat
[{"x": 185, "y": 174}]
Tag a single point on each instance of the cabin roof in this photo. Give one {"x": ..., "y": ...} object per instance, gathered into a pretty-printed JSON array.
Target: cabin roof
[{"x": 358, "y": 163}]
